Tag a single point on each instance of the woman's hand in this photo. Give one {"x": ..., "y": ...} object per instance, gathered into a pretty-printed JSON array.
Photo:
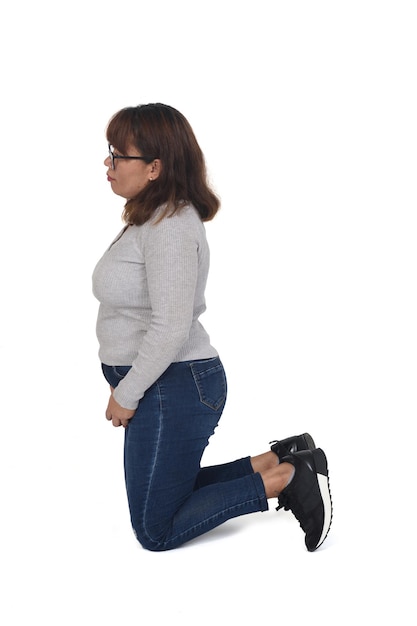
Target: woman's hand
[{"x": 117, "y": 414}]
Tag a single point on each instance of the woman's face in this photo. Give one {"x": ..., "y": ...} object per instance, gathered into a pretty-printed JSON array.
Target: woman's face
[{"x": 130, "y": 176}]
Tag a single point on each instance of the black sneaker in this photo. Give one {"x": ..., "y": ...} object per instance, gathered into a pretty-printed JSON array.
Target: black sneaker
[
  {"x": 308, "y": 495},
  {"x": 293, "y": 444}
]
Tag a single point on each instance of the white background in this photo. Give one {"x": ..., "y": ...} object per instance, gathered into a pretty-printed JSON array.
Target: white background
[{"x": 306, "y": 112}]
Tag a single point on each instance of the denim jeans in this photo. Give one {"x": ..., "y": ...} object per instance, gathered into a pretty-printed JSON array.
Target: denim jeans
[{"x": 171, "y": 498}]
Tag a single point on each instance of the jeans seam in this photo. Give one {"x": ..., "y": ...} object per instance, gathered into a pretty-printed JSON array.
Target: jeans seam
[
  {"x": 207, "y": 521},
  {"x": 145, "y": 508},
  {"x": 260, "y": 488}
]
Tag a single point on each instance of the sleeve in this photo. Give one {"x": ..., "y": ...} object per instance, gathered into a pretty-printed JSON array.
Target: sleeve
[{"x": 170, "y": 250}]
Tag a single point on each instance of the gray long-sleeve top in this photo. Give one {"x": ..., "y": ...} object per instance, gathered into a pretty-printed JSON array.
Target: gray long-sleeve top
[{"x": 150, "y": 284}]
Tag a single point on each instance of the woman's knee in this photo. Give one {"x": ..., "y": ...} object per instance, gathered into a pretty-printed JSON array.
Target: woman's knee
[{"x": 153, "y": 542}]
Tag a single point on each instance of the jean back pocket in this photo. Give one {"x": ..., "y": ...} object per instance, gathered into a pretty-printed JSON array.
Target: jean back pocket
[{"x": 210, "y": 380}]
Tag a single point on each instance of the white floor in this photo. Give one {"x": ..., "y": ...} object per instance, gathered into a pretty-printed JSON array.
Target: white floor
[
  {"x": 306, "y": 114},
  {"x": 69, "y": 555}
]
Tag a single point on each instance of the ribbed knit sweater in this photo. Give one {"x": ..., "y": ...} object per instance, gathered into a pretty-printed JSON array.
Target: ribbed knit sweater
[{"x": 150, "y": 284}]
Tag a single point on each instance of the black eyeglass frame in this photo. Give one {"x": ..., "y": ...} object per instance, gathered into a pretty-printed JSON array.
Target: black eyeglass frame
[{"x": 113, "y": 157}]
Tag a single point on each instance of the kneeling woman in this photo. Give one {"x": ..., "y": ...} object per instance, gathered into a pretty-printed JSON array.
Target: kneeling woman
[{"x": 168, "y": 386}]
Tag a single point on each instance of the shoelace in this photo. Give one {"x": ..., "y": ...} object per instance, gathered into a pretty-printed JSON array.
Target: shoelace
[{"x": 284, "y": 502}]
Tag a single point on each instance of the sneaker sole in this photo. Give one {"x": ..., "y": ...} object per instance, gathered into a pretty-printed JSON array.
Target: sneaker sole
[{"x": 322, "y": 474}]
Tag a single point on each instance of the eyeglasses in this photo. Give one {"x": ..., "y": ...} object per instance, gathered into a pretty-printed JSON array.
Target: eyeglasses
[{"x": 113, "y": 157}]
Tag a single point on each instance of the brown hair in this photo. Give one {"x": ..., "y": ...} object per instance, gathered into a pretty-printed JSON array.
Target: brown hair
[{"x": 159, "y": 131}]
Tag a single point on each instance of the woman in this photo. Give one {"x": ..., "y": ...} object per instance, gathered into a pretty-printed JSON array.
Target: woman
[{"x": 168, "y": 386}]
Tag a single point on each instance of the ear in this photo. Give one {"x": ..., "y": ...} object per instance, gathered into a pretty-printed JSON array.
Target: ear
[{"x": 154, "y": 169}]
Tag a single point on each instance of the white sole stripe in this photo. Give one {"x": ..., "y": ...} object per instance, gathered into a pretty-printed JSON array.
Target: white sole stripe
[{"x": 327, "y": 502}]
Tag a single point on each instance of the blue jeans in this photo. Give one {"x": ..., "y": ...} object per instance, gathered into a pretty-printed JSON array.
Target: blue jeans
[{"x": 171, "y": 498}]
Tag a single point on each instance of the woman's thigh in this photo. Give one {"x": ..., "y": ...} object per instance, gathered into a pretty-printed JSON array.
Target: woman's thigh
[{"x": 166, "y": 438}]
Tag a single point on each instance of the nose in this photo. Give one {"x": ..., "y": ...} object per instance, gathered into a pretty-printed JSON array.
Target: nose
[{"x": 107, "y": 161}]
